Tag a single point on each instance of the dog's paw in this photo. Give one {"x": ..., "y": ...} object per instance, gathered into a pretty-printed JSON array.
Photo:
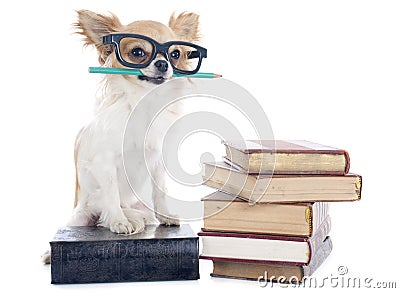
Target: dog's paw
[
  {"x": 171, "y": 220},
  {"x": 121, "y": 227},
  {"x": 137, "y": 224},
  {"x": 127, "y": 227}
]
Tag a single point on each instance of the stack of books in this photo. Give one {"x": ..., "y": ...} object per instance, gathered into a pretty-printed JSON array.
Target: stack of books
[{"x": 270, "y": 215}]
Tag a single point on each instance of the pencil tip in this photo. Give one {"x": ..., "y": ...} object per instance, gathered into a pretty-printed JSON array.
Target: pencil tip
[{"x": 217, "y": 75}]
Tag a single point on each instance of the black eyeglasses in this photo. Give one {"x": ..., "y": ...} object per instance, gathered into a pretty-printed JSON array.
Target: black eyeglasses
[{"x": 138, "y": 51}]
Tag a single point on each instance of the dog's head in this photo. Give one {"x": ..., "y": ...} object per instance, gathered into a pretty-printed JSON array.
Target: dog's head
[{"x": 138, "y": 50}]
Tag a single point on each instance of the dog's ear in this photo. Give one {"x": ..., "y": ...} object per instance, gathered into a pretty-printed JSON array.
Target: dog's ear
[
  {"x": 93, "y": 27},
  {"x": 186, "y": 26}
]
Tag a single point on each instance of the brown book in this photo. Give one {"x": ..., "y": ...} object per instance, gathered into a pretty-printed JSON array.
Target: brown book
[
  {"x": 228, "y": 213},
  {"x": 272, "y": 272},
  {"x": 282, "y": 188},
  {"x": 256, "y": 248},
  {"x": 287, "y": 157}
]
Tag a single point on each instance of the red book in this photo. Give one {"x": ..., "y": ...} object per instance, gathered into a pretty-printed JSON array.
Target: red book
[
  {"x": 287, "y": 157},
  {"x": 256, "y": 248}
]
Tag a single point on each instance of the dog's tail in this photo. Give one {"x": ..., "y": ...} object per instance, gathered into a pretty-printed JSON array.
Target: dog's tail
[{"x": 46, "y": 257}]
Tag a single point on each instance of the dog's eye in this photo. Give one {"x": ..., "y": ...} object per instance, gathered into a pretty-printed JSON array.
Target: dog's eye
[
  {"x": 138, "y": 52},
  {"x": 175, "y": 54}
]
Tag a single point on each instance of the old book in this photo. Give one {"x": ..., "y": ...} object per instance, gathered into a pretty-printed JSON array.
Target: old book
[
  {"x": 228, "y": 213},
  {"x": 272, "y": 272},
  {"x": 257, "y": 248},
  {"x": 287, "y": 157},
  {"x": 282, "y": 188},
  {"x": 95, "y": 254}
]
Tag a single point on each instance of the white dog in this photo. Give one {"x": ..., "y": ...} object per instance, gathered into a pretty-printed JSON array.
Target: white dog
[{"x": 103, "y": 196}]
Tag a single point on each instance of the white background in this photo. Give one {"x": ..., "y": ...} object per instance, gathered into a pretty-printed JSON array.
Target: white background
[{"x": 325, "y": 71}]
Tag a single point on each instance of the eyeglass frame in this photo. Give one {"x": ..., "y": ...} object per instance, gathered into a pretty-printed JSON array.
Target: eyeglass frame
[{"x": 115, "y": 39}]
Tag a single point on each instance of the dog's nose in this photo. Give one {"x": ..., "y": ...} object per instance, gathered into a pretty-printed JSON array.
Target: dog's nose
[{"x": 161, "y": 65}]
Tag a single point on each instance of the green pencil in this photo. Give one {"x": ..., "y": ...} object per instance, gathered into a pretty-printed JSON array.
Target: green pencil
[{"x": 125, "y": 71}]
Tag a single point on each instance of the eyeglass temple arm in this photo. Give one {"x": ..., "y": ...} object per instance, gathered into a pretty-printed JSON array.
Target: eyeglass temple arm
[{"x": 107, "y": 40}]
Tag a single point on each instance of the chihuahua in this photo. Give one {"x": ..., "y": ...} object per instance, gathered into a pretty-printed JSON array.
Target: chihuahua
[{"x": 103, "y": 196}]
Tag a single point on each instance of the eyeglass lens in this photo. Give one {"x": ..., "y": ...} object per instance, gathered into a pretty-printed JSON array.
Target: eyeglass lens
[{"x": 138, "y": 51}]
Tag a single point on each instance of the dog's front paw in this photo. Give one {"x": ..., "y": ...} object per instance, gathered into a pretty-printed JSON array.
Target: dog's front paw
[
  {"x": 171, "y": 220},
  {"x": 127, "y": 227},
  {"x": 121, "y": 227}
]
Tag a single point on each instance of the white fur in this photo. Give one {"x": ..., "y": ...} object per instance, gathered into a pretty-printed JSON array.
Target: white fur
[{"x": 105, "y": 197}]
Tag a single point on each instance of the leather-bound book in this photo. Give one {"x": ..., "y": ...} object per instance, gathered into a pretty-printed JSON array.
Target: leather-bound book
[
  {"x": 227, "y": 213},
  {"x": 282, "y": 188},
  {"x": 287, "y": 157},
  {"x": 262, "y": 248},
  {"x": 97, "y": 255}
]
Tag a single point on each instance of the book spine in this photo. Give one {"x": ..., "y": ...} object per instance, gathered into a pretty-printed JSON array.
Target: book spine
[
  {"x": 318, "y": 258},
  {"x": 347, "y": 158},
  {"x": 318, "y": 238},
  {"x": 358, "y": 186},
  {"x": 56, "y": 270},
  {"x": 125, "y": 261}
]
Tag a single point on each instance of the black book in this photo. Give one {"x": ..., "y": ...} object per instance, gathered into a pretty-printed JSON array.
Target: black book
[{"x": 97, "y": 255}]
